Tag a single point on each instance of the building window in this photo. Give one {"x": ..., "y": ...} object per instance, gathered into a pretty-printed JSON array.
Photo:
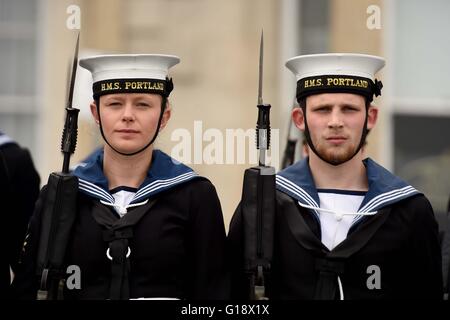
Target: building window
[
  {"x": 422, "y": 155},
  {"x": 420, "y": 99},
  {"x": 18, "y": 107}
]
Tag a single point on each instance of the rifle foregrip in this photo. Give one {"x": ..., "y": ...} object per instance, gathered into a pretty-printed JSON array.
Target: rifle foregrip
[
  {"x": 70, "y": 132},
  {"x": 263, "y": 124}
]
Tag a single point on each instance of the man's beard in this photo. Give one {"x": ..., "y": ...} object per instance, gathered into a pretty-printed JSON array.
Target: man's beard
[{"x": 336, "y": 155}]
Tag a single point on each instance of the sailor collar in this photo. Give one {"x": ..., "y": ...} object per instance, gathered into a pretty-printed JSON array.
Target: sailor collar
[
  {"x": 165, "y": 173},
  {"x": 384, "y": 187}
]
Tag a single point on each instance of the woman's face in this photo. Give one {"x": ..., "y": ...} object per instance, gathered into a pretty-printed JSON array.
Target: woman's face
[{"x": 129, "y": 120}]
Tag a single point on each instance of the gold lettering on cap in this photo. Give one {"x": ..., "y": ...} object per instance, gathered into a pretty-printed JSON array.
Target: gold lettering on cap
[
  {"x": 313, "y": 83},
  {"x": 110, "y": 86},
  {"x": 133, "y": 85},
  {"x": 349, "y": 82}
]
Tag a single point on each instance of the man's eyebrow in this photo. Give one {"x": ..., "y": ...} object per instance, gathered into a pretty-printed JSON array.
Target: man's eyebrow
[
  {"x": 349, "y": 104},
  {"x": 323, "y": 105}
]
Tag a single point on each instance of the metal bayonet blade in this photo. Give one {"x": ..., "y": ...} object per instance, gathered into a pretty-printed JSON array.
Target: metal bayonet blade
[
  {"x": 73, "y": 74},
  {"x": 261, "y": 58}
]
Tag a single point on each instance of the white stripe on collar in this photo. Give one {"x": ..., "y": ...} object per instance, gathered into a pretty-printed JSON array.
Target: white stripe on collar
[
  {"x": 387, "y": 196},
  {"x": 155, "y": 185},
  {"x": 95, "y": 190},
  {"x": 292, "y": 185},
  {"x": 288, "y": 185},
  {"x": 158, "y": 184}
]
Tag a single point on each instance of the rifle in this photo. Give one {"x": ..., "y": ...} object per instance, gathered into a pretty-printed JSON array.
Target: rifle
[
  {"x": 59, "y": 208},
  {"x": 258, "y": 204}
]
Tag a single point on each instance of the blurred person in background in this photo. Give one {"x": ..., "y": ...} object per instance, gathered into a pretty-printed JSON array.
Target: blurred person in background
[{"x": 19, "y": 190}]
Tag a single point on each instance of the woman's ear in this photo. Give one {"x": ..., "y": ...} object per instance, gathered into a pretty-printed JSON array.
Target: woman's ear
[
  {"x": 94, "y": 112},
  {"x": 166, "y": 115},
  {"x": 298, "y": 118}
]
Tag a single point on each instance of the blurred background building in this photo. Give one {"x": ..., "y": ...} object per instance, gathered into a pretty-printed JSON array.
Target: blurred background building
[{"x": 216, "y": 82}]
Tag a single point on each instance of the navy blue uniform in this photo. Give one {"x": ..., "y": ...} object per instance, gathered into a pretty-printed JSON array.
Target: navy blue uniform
[
  {"x": 399, "y": 244},
  {"x": 19, "y": 190},
  {"x": 177, "y": 248}
]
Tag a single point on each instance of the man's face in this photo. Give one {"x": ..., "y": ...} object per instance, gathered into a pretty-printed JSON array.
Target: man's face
[
  {"x": 335, "y": 122},
  {"x": 130, "y": 120}
]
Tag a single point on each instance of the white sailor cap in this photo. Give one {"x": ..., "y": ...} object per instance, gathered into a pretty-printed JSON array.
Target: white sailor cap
[
  {"x": 337, "y": 72},
  {"x": 130, "y": 73}
]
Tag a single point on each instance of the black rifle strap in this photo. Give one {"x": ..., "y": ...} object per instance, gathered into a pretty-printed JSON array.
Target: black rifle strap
[
  {"x": 117, "y": 233},
  {"x": 258, "y": 216}
]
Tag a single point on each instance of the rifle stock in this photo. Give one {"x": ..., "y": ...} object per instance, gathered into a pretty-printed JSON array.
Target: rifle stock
[
  {"x": 258, "y": 211},
  {"x": 57, "y": 220}
]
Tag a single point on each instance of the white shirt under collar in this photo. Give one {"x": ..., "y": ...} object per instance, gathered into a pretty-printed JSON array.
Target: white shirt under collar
[{"x": 334, "y": 228}]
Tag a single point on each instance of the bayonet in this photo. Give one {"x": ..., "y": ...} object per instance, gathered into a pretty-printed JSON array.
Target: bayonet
[
  {"x": 73, "y": 73},
  {"x": 69, "y": 137},
  {"x": 261, "y": 66},
  {"x": 263, "y": 125}
]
